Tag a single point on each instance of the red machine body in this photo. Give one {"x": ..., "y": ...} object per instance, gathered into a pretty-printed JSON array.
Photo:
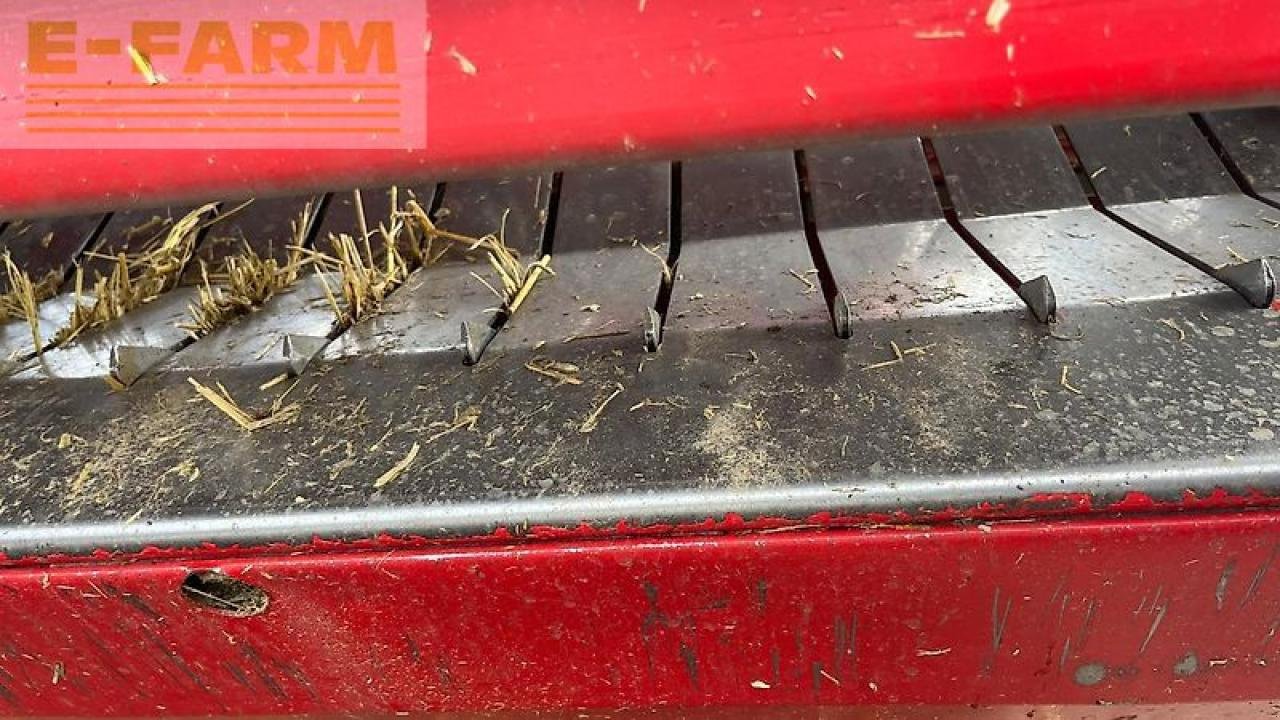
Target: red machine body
[
  {"x": 1142, "y": 611},
  {"x": 980, "y": 576},
  {"x": 512, "y": 84}
]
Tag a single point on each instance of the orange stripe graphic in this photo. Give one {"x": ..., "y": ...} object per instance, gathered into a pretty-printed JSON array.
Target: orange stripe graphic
[
  {"x": 337, "y": 129},
  {"x": 215, "y": 101},
  {"x": 223, "y": 86},
  {"x": 210, "y": 114}
]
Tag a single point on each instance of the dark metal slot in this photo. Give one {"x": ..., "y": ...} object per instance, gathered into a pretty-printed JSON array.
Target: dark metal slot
[
  {"x": 473, "y": 347},
  {"x": 317, "y": 219},
  {"x": 656, "y": 317},
  {"x": 1233, "y": 169},
  {"x": 437, "y": 199},
  {"x": 1037, "y": 293},
  {"x": 548, "y": 242},
  {"x": 1253, "y": 280},
  {"x": 837, "y": 305},
  {"x": 69, "y": 272}
]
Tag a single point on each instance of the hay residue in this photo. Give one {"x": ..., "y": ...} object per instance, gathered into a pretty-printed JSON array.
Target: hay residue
[
  {"x": 24, "y": 296},
  {"x": 221, "y": 399},
  {"x": 246, "y": 281},
  {"x": 136, "y": 279},
  {"x": 516, "y": 279},
  {"x": 742, "y": 450},
  {"x": 398, "y": 469}
]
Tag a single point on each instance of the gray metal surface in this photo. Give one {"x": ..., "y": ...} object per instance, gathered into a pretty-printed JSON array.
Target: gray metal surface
[
  {"x": 427, "y": 313},
  {"x": 1009, "y": 172},
  {"x": 16, "y": 341},
  {"x": 940, "y": 399},
  {"x": 1163, "y": 176},
  {"x": 604, "y": 279},
  {"x": 1144, "y": 160},
  {"x": 258, "y": 338},
  {"x": 1251, "y": 138},
  {"x": 744, "y": 259},
  {"x": 42, "y": 247},
  {"x": 1052, "y": 228},
  {"x": 882, "y": 231},
  {"x": 769, "y": 422},
  {"x": 155, "y": 326}
]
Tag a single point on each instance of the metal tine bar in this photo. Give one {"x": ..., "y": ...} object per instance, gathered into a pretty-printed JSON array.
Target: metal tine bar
[
  {"x": 1253, "y": 280},
  {"x": 69, "y": 273},
  {"x": 1037, "y": 293},
  {"x": 837, "y": 303},
  {"x": 656, "y": 317},
  {"x": 476, "y": 339},
  {"x": 1240, "y": 178},
  {"x": 301, "y": 350}
]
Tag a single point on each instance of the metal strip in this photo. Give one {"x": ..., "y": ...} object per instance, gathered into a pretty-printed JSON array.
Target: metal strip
[
  {"x": 1252, "y": 138},
  {"x": 604, "y": 279},
  {"x": 882, "y": 231},
  {"x": 744, "y": 258},
  {"x": 427, "y": 314},
  {"x": 1100, "y": 487}
]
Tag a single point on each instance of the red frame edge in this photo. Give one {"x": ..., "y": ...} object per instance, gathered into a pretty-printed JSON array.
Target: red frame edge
[
  {"x": 1175, "y": 609},
  {"x": 556, "y": 82}
]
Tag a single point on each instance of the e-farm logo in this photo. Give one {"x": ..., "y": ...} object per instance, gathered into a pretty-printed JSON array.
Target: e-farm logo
[{"x": 219, "y": 74}]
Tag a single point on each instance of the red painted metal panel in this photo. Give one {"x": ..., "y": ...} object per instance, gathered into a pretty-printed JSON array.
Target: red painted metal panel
[
  {"x": 558, "y": 80},
  {"x": 1167, "y": 610}
]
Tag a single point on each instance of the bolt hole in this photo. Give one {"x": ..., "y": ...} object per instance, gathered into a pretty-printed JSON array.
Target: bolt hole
[{"x": 224, "y": 595}]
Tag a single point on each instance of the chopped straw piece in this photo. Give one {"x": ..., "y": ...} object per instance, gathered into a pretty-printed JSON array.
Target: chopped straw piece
[
  {"x": 365, "y": 282},
  {"x": 250, "y": 280},
  {"x": 136, "y": 279},
  {"x": 517, "y": 279},
  {"x": 247, "y": 281},
  {"x": 24, "y": 297},
  {"x": 222, "y": 400},
  {"x": 562, "y": 373},
  {"x": 592, "y": 421},
  {"x": 144, "y": 66},
  {"x": 398, "y": 469},
  {"x": 367, "y": 278}
]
